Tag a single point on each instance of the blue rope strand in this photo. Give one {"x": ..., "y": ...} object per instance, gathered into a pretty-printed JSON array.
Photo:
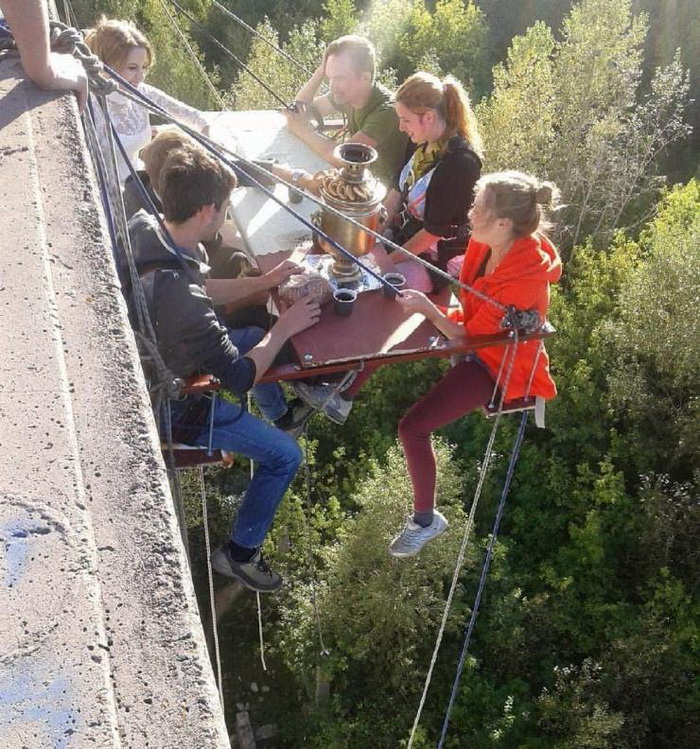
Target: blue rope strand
[
  {"x": 150, "y": 205},
  {"x": 484, "y": 573},
  {"x": 238, "y": 170}
]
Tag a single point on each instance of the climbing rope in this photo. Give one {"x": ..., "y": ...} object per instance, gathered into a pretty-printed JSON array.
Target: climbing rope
[
  {"x": 195, "y": 59},
  {"x": 260, "y": 632},
  {"x": 210, "y": 579},
  {"x": 511, "y": 349},
  {"x": 66, "y": 40},
  {"x": 515, "y": 452},
  {"x": 262, "y": 38},
  {"x": 228, "y": 52},
  {"x": 215, "y": 149},
  {"x": 484, "y": 573},
  {"x": 69, "y": 14}
]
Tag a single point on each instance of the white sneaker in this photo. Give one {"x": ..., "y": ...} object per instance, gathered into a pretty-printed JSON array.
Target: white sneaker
[
  {"x": 414, "y": 537},
  {"x": 324, "y": 398}
]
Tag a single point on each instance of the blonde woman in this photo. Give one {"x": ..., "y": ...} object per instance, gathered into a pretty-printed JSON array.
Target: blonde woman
[
  {"x": 125, "y": 49},
  {"x": 428, "y": 209},
  {"x": 509, "y": 259}
]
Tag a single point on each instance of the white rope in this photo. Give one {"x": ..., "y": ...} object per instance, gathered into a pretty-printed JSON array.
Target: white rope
[
  {"x": 210, "y": 578},
  {"x": 249, "y": 401},
  {"x": 260, "y": 633},
  {"x": 465, "y": 542},
  {"x": 309, "y": 546}
]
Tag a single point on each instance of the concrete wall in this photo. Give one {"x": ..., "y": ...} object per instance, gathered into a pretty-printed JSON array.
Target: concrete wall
[{"x": 100, "y": 638}]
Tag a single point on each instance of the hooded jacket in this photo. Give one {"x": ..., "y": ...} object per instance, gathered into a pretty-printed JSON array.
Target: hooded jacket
[
  {"x": 191, "y": 338},
  {"x": 521, "y": 279}
]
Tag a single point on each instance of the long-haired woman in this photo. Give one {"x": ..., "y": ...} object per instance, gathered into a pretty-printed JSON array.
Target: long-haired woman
[
  {"x": 125, "y": 49},
  {"x": 428, "y": 208}
]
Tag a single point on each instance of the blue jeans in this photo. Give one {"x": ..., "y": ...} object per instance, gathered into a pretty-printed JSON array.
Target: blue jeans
[
  {"x": 277, "y": 458},
  {"x": 268, "y": 395}
]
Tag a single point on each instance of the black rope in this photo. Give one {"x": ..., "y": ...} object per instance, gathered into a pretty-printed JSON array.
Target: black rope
[
  {"x": 217, "y": 150},
  {"x": 142, "y": 98},
  {"x": 228, "y": 52},
  {"x": 484, "y": 574},
  {"x": 262, "y": 38},
  {"x": 169, "y": 241}
]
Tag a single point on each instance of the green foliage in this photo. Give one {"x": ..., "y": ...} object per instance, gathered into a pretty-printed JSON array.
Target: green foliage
[
  {"x": 281, "y": 76},
  {"x": 449, "y": 38},
  {"x": 571, "y": 719},
  {"x": 341, "y": 19},
  {"x": 570, "y": 111},
  {"x": 378, "y": 614},
  {"x": 654, "y": 377},
  {"x": 174, "y": 71},
  {"x": 517, "y": 121}
]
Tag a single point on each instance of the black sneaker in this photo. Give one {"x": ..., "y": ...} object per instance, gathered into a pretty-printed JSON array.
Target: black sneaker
[
  {"x": 254, "y": 574},
  {"x": 297, "y": 415}
]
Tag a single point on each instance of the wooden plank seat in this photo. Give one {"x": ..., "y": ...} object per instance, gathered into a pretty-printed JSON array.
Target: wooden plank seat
[
  {"x": 191, "y": 456},
  {"x": 200, "y": 384},
  {"x": 518, "y": 405}
]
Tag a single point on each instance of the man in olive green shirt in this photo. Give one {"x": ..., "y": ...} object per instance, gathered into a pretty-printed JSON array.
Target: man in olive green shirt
[{"x": 349, "y": 64}]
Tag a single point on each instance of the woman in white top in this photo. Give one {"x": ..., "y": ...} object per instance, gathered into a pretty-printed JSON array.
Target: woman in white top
[{"x": 128, "y": 52}]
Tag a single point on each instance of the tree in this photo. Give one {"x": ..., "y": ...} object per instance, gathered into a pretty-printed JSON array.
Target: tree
[
  {"x": 378, "y": 614},
  {"x": 341, "y": 18},
  {"x": 517, "y": 120},
  {"x": 283, "y": 77},
  {"x": 569, "y": 112},
  {"x": 654, "y": 377}
]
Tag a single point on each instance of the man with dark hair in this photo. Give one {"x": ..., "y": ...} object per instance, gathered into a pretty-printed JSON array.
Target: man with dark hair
[
  {"x": 349, "y": 65},
  {"x": 195, "y": 193}
]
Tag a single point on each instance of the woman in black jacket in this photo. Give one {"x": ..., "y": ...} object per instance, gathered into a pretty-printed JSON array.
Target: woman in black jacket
[{"x": 429, "y": 205}]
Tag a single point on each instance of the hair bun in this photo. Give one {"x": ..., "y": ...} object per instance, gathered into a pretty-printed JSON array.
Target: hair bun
[{"x": 546, "y": 193}]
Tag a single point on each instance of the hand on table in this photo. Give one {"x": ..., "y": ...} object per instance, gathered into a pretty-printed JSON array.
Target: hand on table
[
  {"x": 417, "y": 302},
  {"x": 301, "y": 315},
  {"x": 282, "y": 272}
]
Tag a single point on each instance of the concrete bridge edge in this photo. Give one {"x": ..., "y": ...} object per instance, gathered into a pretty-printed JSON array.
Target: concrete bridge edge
[{"x": 104, "y": 641}]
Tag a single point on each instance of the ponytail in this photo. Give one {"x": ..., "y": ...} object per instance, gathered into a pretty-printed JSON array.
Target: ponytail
[
  {"x": 423, "y": 91},
  {"x": 459, "y": 114}
]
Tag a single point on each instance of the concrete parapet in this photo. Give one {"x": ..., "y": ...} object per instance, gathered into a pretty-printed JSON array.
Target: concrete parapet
[{"x": 101, "y": 642}]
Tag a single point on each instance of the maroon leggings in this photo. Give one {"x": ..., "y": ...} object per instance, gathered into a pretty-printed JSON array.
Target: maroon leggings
[{"x": 465, "y": 387}]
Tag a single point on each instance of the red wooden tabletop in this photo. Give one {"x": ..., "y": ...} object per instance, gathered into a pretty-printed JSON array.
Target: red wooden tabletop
[{"x": 377, "y": 326}]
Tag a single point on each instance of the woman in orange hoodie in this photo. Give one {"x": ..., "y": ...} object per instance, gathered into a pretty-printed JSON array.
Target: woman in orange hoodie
[{"x": 510, "y": 260}]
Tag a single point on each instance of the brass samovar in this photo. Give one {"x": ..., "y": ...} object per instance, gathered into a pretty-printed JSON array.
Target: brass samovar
[{"x": 352, "y": 190}]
